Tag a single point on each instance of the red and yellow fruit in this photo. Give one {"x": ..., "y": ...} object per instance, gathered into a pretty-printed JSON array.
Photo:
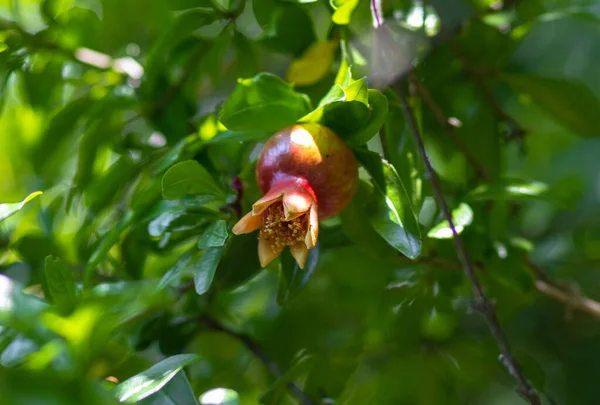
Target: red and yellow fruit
[{"x": 306, "y": 173}]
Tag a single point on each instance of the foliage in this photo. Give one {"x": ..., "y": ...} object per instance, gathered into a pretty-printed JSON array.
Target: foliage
[{"x": 129, "y": 134}]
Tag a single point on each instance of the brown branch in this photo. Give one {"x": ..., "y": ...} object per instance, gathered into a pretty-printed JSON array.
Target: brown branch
[
  {"x": 255, "y": 348},
  {"x": 482, "y": 303},
  {"x": 444, "y": 122},
  {"x": 570, "y": 296}
]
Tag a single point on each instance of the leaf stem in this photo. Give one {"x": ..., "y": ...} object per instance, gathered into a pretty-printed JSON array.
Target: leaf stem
[{"x": 482, "y": 303}]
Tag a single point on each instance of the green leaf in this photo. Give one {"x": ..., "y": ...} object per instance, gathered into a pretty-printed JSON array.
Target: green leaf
[
  {"x": 61, "y": 284},
  {"x": 314, "y": 64},
  {"x": 184, "y": 149},
  {"x": 358, "y": 91},
  {"x": 335, "y": 93},
  {"x": 214, "y": 236},
  {"x": 205, "y": 267},
  {"x": 178, "y": 391},
  {"x": 180, "y": 218},
  {"x": 213, "y": 61},
  {"x": 103, "y": 190},
  {"x": 289, "y": 30},
  {"x": 391, "y": 211},
  {"x": 346, "y": 111},
  {"x": 462, "y": 216},
  {"x": 358, "y": 228},
  {"x": 300, "y": 365},
  {"x": 344, "y": 117},
  {"x": 343, "y": 10},
  {"x": 401, "y": 150},
  {"x": 175, "y": 272},
  {"x": 238, "y": 136},
  {"x": 220, "y": 396},
  {"x": 292, "y": 278},
  {"x": 106, "y": 242},
  {"x": 378, "y": 105},
  {"x": 509, "y": 190},
  {"x": 5, "y": 75},
  {"x": 263, "y": 103},
  {"x": 61, "y": 125},
  {"x": 182, "y": 26},
  {"x": 339, "y": 110},
  {"x": 6, "y": 210},
  {"x": 241, "y": 248},
  {"x": 188, "y": 178},
  {"x": 572, "y": 104},
  {"x": 153, "y": 379}
]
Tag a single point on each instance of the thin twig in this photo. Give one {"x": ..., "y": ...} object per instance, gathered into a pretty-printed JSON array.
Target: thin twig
[
  {"x": 570, "y": 296},
  {"x": 255, "y": 348},
  {"x": 443, "y": 121},
  {"x": 482, "y": 303}
]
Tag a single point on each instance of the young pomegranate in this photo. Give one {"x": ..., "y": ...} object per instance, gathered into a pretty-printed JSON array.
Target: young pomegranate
[{"x": 306, "y": 173}]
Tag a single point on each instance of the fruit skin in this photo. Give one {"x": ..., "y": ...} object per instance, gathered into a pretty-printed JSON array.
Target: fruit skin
[{"x": 316, "y": 157}]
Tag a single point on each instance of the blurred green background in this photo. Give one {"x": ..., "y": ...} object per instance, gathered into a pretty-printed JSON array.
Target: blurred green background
[{"x": 102, "y": 278}]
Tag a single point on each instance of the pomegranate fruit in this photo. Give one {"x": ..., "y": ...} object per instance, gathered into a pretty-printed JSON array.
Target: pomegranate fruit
[{"x": 306, "y": 173}]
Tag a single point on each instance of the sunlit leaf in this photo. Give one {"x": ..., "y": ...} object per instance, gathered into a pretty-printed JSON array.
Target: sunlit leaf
[
  {"x": 462, "y": 216},
  {"x": 358, "y": 91},
  {"x": 343, "y": 10},
  {"x": 153, "y": 379},
  {"x": 263, "y": 103},
  {"x": 6, "y": 210},
  {"x": 313, "y": 65},
  {"x": 220, "y": 396},
  {"x": 509, "y": 189}
]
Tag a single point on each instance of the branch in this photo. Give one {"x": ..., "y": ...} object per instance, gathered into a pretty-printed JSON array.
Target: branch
[
  {"x": 255, "y": 348},
  {"x": 570, "y": 296},
  {"x": 450, "y": 129},
  {"x": 482, "y": 303}
]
